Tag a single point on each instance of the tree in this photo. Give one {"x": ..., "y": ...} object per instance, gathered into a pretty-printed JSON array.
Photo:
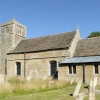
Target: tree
[{"x": 94, "y": 34}]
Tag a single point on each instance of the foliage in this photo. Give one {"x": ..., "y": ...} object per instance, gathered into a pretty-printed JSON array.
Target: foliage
[{"x": 94, "y": 34}]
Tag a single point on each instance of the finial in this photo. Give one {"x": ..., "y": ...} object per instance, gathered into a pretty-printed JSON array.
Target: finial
[{"x": 77, "y": 27}]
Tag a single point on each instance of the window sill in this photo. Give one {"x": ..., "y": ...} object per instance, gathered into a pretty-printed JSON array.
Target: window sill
[
  {"x": 17, "y": 75},
  {"x": 71, "y": 74},
  {"x": 96, "y": 74}
]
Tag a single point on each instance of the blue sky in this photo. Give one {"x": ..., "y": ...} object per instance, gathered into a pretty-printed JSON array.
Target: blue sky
[{"x": 47, "y": 17}]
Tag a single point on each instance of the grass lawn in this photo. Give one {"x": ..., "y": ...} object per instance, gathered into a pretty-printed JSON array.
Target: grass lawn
[
  {"x": 60, "y": 94},
  {"x": 53, "y": 94}
]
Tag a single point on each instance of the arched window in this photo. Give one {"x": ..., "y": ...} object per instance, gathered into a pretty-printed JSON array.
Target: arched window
[
  {"x": 53, "y": 68},
  {"x": 7, "y": 29},
  {"x": 20, "y": 31},
  {"x": 18, "y": 68}
]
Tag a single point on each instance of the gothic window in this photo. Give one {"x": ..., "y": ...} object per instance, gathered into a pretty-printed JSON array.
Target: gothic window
[
  {"x": 7, "y": 29},
  {"x": 18, "y": 68},
  {"x": 96, "y": 69},
  {"x": 4, "y": 29},
  {"x": 20, "y": 31},
  {"x": 53, "y": 68},
  {"x": 72, "y": 69}
]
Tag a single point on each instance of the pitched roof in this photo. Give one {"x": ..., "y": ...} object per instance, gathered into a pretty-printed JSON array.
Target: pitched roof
[
  {"x": 52, "y": 42},
  {"x": 88, "y": 47}
]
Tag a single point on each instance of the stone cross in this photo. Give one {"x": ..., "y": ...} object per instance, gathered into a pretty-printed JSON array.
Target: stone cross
[{"x": 77, "y": 89}]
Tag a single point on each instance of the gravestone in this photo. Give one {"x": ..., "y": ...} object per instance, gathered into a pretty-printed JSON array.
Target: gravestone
[
  {"x": 76, "y": 80},
  {"x": 80, "y": 96},
  {"x": 95, "y": 81},
  {"x": 71, "y": 82},
  {"x": 91, "y": 90},
  {"x": 51, "y": 83},
  {"x": 1, "y": 79},
  {"x": 77, "y": 89}
]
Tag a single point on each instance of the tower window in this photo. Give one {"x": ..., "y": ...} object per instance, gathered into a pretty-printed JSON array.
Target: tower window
[
  {"x": 7, "y": 29},
  {"x": 20, "y": 31}
]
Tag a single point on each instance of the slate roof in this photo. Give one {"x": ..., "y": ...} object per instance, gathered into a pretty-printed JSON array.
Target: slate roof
[
  {"x": 81, "y": 60},
  {"x": 58, "y": 41},
  {"x": 88, "y": 47}
]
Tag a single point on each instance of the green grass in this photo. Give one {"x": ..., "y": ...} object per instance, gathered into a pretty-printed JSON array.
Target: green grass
[
  {"x": 40, "y": 90},
  {"x": 18, "y": 88},
  {"x": 60, "y": 94}
]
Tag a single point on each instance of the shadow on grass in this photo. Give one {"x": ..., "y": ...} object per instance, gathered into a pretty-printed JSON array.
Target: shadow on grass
[{"x": 71, "y": 94}]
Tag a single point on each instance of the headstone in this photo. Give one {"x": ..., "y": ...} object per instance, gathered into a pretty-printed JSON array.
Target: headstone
[
  {"x": 71, "y": 82},
  {"x": 34, "y": 74},
  {"x": 45, "y": 78},
  {"x": 43, "y": 86},
  {"x": 91, "y": 91},
  {"x": 80, "y": 96},
  {"x": 7, "y": 84},
  {"x": 95, "y": 81},
  {"x": 76, "y": 80},
  {"x": 28, "y": 78},
  {"x": 1, "y": 79},
  {"x": 51, "y": 83},
  {"x": 77, "y": 89}
]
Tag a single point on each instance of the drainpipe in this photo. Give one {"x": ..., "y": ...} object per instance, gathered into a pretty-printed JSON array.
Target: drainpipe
[
  {"x": 83, "y": 73},
  {"x": 5, "y": 66},
  {"x": 24, "y": 66}
]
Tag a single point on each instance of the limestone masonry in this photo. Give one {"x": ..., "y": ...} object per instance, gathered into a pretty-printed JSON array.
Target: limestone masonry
[{"x": 49, "y": 56}]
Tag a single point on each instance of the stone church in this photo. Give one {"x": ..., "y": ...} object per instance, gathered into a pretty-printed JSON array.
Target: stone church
[{"x": 63, "y": 56}]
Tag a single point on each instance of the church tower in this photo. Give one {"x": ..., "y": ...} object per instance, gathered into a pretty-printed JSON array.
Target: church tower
[{"x": 12, "y": 33}]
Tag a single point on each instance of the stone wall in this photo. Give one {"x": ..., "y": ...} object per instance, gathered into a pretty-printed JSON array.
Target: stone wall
[
  {"x": 8, "y": 40},
  {"x": 74, "y": 43},
  {"x": 64, "y": 73},
  {"x": 36, "y": 63},
  {"x": 89, "y": 73}
]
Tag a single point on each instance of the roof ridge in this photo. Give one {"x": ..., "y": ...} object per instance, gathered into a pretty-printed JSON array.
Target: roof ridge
[
  {"x": 91, "y": 38},
  {"x": 52, "y": 42},
  {"x": 51, "y": 35}
]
